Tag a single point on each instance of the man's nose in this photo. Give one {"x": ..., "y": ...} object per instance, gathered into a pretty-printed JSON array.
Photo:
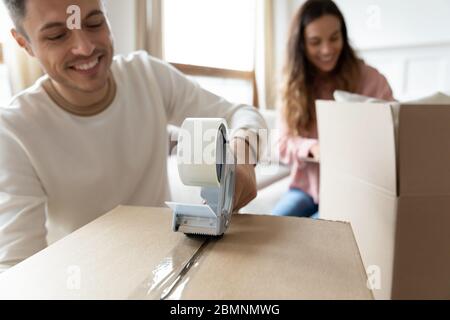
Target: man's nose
[{"x": 82, "y": 46}]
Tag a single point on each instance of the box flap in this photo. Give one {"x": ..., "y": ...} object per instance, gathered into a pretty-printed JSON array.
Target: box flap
[
  {"x": 265, "y": 257},
  {"x": 358, "y": 139},
  {"x": 424, "y": 150},
  {"x": 373, "y": 217},
  {"x": 422, "y": 258},
  {"x": 438, "y": 98}
]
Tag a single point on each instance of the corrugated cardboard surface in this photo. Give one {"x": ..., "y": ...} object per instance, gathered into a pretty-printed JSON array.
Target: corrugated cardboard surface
[
  {"x": 358, "y": 179},
  {"x": 424, "y": 148},
  {"x": 348, "y": 133},
  {"x": 422, "y": 249},
  {"x": 422, "y": 260},
  {"x": 260, "y": 257},
  {"x": 285, "y": 258},
  {"x": 113, "y": 255},
  {"x": 406, "y": 236},
  {"x": 372, "y": 215}
]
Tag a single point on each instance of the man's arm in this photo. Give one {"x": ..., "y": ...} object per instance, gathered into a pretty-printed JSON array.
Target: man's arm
[
  {"x": 22, "y": 205},
  {"x": 184, "y": 98}
]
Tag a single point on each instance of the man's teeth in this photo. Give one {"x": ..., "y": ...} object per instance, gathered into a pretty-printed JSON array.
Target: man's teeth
[{"x": 87, "y": 66}]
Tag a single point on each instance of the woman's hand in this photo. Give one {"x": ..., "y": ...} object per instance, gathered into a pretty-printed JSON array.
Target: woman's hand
[{"x": 315, "y": 152}]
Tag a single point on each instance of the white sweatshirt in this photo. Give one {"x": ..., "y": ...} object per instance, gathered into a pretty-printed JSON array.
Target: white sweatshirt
[{"x": 59, "y": 171}]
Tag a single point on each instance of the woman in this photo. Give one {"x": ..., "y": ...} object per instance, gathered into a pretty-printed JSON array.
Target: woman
[{"x": 319, "y": 61}]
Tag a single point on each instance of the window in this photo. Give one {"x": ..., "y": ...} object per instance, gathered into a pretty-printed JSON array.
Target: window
[
  {"x": 5, "y": 93},
  {"x": 214, "y": 42}
]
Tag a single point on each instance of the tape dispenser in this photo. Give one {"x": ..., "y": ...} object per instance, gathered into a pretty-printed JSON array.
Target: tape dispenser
[{"x": 205, "y": 160}]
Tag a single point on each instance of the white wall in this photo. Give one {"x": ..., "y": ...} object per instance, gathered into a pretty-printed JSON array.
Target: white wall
[
  {"x": 408, "y": 41},
  {"x": 388, "y": 23}
]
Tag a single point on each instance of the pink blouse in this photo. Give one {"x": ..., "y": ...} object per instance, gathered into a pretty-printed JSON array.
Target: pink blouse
[{"x": 305, "y": 175}]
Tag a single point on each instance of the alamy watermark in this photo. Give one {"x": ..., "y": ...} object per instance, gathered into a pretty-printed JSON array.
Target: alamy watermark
[
  {"x": 374, "y": 277},
  {"x": 74, "y": 20},
  {"x": 73, "y": 281},
  {"x": 374, "y": 17}
]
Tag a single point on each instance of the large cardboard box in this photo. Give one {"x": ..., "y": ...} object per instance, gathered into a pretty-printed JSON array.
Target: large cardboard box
[
  {"x": 386, "y": 169},
  {"x": 132, "y": 253}
]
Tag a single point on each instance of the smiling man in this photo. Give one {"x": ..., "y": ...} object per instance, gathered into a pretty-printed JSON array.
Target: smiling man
[{"x": 92, "y": 133}]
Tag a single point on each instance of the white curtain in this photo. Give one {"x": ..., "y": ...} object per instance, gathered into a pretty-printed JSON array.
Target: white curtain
[
  {"x": 273, "y": 20},
  {"x": 265, "y": 64},
  {"x": 22, "y": 70},
  {"x": 149, "y": 27}
]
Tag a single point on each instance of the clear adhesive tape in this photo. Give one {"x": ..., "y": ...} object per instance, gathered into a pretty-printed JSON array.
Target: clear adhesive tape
[
  {"x": 202, "y": 151},
  {"x": 168, "y": 279}
]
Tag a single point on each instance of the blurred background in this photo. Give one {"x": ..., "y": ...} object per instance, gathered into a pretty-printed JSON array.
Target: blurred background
[{"x": 235, "y": 48}]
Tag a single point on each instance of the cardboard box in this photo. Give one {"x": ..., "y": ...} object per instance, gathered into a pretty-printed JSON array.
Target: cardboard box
[
  {"x": 133, "y": 253},
  {"x": 386, "y": 169}
]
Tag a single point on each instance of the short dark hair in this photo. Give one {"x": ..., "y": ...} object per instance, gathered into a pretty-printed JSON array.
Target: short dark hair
[{"x": 17, "y": 11}]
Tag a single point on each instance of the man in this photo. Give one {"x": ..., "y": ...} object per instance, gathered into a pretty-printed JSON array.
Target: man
[{"x": 91, "y": 134}]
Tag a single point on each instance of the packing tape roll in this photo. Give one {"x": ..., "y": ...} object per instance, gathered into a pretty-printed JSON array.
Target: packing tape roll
[{"x": 202, "y": 151}]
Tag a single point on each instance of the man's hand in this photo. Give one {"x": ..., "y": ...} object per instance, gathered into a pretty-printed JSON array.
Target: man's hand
[{"x": 245, "y": 188}]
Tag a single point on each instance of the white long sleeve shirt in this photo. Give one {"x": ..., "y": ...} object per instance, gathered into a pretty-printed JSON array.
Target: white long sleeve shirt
[{"x": 60, "y": 171}]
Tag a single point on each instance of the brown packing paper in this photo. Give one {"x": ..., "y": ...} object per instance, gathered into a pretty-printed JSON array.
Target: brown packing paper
[{"x": 260, "y": 257}]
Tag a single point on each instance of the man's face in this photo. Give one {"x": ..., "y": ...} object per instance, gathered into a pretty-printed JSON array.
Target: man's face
[{"x": 77, "y": 59}]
